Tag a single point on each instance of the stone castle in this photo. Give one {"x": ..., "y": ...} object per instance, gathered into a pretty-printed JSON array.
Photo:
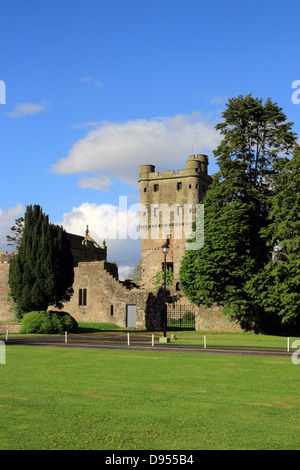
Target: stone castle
[
  {"x": 168, "y": 208},
  {"x": 98, "y": 294}
]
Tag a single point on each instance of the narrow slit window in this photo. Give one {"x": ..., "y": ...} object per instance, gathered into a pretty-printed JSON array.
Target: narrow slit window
[{"x": 82, "y": 297}]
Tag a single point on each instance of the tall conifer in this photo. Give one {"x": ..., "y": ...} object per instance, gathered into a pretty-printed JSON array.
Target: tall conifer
[
  {"x": 237, "y": 206},
  {"x": 277, "y": 286},
  {"x": 42, "y": 272}
]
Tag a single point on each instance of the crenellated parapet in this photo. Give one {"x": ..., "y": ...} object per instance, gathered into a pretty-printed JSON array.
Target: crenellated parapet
[
  {"x": 195, "y": 166},
  {"x": 5, "y": 257}
]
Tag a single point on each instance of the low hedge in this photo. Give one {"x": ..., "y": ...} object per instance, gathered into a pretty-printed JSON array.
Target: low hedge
[{"x": 49, "y": 322}]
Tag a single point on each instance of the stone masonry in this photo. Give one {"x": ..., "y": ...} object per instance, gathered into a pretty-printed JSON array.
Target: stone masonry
[
  {"x": 168, "y": 203},
  {"x": 6, "y": 306},
  {"x": 99, "y": 297}
]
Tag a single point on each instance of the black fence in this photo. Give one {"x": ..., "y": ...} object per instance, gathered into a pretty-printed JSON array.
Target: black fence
[{"x": 180, "y": 317}]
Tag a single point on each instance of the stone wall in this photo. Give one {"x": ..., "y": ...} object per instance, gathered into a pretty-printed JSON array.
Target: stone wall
[
  {"x": 212, "y": 319},
  {"x": 6, "y": 311},
  {"x": 106, "y": 299},
  {"x": 168, "y": 203},
  {"x": 11, "y": 327}
]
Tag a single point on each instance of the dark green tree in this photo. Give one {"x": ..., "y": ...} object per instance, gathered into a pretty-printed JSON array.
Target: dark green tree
[
  {"x": 218, "y": 271},
  {"x": 277, "y": 286},
  {"x": 42, "y": 272},
  {"x": 237, "y": 206},
  {"x": 255, "y": 134}
]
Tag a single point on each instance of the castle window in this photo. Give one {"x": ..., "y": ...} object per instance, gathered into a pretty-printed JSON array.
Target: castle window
[
  {"x": 156, "y": 187},
  {"x": 155, "y": 211},
  {"x": 190, "y": 186},
  {"x": 168, "y": 266},
  {"x": 111, "y": 310},
  {"x": 145, "y": 190},
  {"x": 82, "y": 297},
  {"x": 179, "y": 186},
  {"x": 179, "y": 210}
]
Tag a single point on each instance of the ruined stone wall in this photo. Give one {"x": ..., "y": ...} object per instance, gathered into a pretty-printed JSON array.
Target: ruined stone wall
[
  {"x": 212, "y": 319},
  {"x": 6, "y": 312},
  {"x": 106, "y": 299}
]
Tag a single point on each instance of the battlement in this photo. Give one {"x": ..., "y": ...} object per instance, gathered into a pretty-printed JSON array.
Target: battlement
[
  {"x": 195, "y": 166},
  {"x": 5, "y": 258}
]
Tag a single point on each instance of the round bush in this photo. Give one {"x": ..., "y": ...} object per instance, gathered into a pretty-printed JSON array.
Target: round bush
[{"x": 48, "y": 323}]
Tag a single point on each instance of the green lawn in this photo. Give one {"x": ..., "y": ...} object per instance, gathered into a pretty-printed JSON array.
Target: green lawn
[
  {"x": 234, "y": 339},
  {"x": 54, "y": 398}
]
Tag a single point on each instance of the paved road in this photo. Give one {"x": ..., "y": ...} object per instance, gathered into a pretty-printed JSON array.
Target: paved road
[{"x": 137, "y": 341}]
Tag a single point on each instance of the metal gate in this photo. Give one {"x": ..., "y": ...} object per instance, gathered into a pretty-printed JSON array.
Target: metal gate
[
  {"x": 131, "y": 316},
  {"x": 180, "y": 317}
]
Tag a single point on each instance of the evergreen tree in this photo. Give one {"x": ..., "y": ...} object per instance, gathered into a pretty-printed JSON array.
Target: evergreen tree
[
  {"x": 236, "y": 209},
  {"x": 254, "y": 136},
  {"x": 277, "y": 286},
  {"x": 42, "y": 272},
  {"x": 219, "y": 271}
]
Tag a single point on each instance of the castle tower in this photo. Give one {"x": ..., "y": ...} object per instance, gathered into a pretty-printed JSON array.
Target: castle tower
[{"x": 167, "y": 210}]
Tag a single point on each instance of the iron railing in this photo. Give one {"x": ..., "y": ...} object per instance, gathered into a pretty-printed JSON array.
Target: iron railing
[{"x": 180, "y": 317}]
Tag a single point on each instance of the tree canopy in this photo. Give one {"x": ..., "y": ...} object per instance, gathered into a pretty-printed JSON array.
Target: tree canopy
[
  {"x": 245, "y": 217},
  {"x": 41, "y": 274}
]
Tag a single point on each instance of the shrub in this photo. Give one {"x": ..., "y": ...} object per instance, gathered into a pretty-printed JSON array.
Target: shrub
[{"x": 48, "y": 322}]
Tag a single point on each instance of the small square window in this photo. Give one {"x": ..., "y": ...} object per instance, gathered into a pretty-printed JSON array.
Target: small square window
[{"x": 145, "y": 190}]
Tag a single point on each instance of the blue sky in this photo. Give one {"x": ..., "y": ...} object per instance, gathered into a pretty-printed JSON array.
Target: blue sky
[{"x": 95, "y": 88}]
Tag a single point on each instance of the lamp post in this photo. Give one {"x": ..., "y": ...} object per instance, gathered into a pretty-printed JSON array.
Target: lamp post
[{"x": 165, "y": 250}]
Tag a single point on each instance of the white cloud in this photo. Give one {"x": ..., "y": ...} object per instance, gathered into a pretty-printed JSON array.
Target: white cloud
[
  {"x": 217, "y": 100},
  {"x": 101, "y": 183},
  {"x": 118, "y": 225},
  {"x": 7, "y": 220},
  {"x": 119, "y": 148},
  {"x": 26, "y": 109},
  {"x": 91, "y": 80}
]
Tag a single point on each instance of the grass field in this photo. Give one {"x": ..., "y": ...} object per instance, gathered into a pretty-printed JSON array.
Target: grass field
[{"x": 54, "y": 398}]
